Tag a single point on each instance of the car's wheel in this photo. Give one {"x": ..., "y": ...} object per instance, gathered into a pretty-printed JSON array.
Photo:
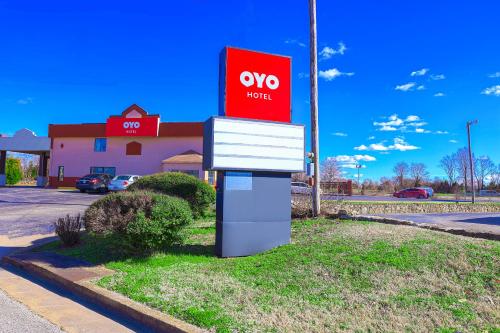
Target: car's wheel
[
  {"x": 421, "y": 197},
  {"x": 82, "y": 191},
  {"x": 403, "y": 196},
  {"x": 102, "y": 190}
]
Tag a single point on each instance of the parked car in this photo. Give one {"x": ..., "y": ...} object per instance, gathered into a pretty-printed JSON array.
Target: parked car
[
  {"x": 429, "y": 190},
  {"x": 97, "y": 182},
  {"x": 301, "y": 188},
  {"x": 121, "y": 182},
  {"x": 412, "y": 193},
  {"x": 488, "y": 193}
]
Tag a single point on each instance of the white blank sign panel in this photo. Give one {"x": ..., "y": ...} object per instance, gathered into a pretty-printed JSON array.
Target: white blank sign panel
[{"x": 256, "y": 145}]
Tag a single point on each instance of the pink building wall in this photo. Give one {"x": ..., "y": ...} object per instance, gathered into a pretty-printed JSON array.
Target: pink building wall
[{"x": 77, "y": 154}]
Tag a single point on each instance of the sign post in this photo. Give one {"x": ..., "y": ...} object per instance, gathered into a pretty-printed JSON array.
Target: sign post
[{"x": 255, "y": 149}]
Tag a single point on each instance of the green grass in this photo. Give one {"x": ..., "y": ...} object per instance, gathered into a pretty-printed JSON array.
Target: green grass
[{"x": 334, "y": 276}]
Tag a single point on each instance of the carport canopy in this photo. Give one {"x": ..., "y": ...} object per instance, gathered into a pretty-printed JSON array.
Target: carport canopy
[{"x": 25, "y": 141}]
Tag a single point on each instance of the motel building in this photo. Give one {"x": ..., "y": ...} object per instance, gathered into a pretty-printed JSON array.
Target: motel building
[{"x": 133, "y": 142}]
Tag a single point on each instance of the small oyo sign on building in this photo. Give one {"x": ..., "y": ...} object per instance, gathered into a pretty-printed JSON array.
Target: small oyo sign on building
[
  {"x": 255, "y": 85},
  {"x": 123, "y": 126}
]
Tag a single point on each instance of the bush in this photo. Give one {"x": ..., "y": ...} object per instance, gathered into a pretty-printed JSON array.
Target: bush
[
  {"x": 197, "y": 193},
  {"x": 115, "y": 211},
  {"x": 163, "y": 227},
  {"x": 301, "y": 206},
  {"x": 68, "y": 229},
  {"x": 13, "y": 171}
]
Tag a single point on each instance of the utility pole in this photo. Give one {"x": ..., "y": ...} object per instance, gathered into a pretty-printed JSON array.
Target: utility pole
[
  {"x": 313, "y": 48},
  {"x": 358, "y": 166},
  {"x": 471, "y": 163}
]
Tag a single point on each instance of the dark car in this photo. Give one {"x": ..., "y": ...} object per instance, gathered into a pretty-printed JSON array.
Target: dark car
[
  {"x": 419, "y": 193},
  {"x": 93, "y": 183}
]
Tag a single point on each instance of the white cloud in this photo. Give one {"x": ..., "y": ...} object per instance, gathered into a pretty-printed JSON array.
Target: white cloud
[
  {"x": 303, "y": 75},
  {"x": 420, "y": 72},
  {"x": 441, "y": 132},
  {"x": 339, "y": 134},
  {"x": 327, "y": 52},
  {"x": 395, "y": 123},
  {"x": 417, "y": 124},
  {"x": 371, "y": 137},
  {"x": 421, "y": 87},
  {"x": 412, "y": 118},
  {"x": 493, "y": 90},
  {"x": 355, "y": 158},
  {"x": 438, "y": 77},
  {"x": 295, "y": 42},
  {"x": 406, "y": 87},
  {"x": 439, "y": 94},
  {"x": 350, "y": 161},
  {"x": 453, "y": 141},
  {"x": 494, "y": 75},
  {"x": 332, "y": 73},
  {"x": 24, "y": 101},
  {"x": 399, "y": 144}
]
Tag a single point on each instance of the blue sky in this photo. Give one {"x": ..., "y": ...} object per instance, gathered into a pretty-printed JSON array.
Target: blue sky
[{"x": 63, "y": 62}]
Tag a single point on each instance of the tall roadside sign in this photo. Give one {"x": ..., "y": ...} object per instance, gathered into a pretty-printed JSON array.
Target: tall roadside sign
[{"x": 254, "y": 148}]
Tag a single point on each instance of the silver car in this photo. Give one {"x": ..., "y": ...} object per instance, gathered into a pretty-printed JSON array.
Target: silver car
[
  {"x": 301, "y": 188},
  {"x": 121, "y": 182}
]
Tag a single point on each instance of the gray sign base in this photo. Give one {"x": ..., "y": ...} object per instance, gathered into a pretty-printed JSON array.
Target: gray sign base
[{"x": 253, "y": 212}]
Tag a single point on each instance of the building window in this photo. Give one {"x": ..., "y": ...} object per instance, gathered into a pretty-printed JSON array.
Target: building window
[
  {"x": 211, "y": 177},
  {"x": 60, "y": 173},
  {"x": 106, "y": 170},
  {"x": 134, "y": 148},
  {"x": 100, "y": 145}
]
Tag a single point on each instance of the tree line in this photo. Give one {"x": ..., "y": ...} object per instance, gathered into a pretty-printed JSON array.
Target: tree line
[{"x": 456, "y": 167}]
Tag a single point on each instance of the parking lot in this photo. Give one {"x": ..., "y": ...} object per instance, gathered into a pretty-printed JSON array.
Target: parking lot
[{"x": 28, "y": 213}]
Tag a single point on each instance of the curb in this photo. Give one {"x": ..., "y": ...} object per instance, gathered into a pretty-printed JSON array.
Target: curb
[
  {"x": 151, "y": 318},
  {"x": 386, "y": 220}
]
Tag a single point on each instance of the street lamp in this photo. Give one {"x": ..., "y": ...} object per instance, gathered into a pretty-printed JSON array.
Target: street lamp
[
  {"x": 358, "y": 166},
  {"x": 471, "y": 163}
]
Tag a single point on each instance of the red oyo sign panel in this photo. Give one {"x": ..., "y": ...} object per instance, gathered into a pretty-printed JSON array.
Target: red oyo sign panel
[
  {"x": 255, "y": 85},
  {"x": 122, "y": 126}
]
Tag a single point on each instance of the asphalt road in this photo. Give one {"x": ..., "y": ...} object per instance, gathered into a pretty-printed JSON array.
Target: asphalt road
[
  {"x": 26, "y": 218},
  {"x": 32, "y": 211},
  {"x": 475, "y": 222}
]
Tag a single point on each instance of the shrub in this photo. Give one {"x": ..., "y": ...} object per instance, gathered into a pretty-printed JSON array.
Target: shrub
[
  {"x": 115, "y": 211},
  {"x": 68, "y": 229},
  {"x": 13, "y": 171},
  {"x": 197, "y": 193},
  {"x": 301, "y": 206},
  {"x": 163, "y": 227}
]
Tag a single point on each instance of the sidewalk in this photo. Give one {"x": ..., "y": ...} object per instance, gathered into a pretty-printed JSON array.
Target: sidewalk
[
  {"x": 62, "y": 308},
  {"x": 76, "y": 277}
]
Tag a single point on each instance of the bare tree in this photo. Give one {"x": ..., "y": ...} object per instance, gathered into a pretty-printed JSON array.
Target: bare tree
[
  {"x": 462, "y": 160},
  {"x": 330, "y": 170},
  {"x": 401, "y": 170},
  {"x": 449, "y": 166},
  {"x": 299, "y": 177},
  {"x": 483, "y": 167},
  {"x": 386, "y": 185},
  {"x": 495, "y": 177},
  {"x": 419, "y": 173}
]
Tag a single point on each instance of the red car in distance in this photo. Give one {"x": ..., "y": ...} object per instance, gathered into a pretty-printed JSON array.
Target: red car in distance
[{"x": 418, "y": 193}]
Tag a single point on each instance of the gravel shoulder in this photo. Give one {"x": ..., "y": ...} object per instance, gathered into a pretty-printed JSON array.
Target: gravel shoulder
[{"x": 18, "y": 318}]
